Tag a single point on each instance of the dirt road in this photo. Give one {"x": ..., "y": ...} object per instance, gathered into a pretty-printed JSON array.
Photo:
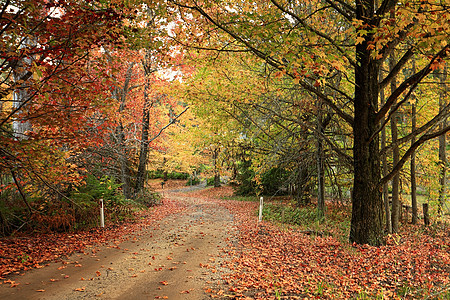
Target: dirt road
[{"x": 177, "y": 259}]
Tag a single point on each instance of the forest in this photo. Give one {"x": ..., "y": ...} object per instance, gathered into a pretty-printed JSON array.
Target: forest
[{"x": 334, "y": 110}]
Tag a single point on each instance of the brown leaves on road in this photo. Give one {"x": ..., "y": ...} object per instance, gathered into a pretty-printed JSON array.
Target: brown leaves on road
[{"x": 27, "y": 251}]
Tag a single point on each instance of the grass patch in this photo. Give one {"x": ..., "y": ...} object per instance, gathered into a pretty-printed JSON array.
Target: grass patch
[
  {"x": 336, "y": 221},
  {"x": 242, "y": 198}
]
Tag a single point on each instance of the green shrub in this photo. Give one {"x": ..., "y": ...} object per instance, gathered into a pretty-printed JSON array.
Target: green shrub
[
  {"x": 178, "y": 176},
  {"x": 148, "y": 198},
  {"x": 245, "y": 177},
  {"x": 291, "y": 215},
  {"x": 159, "y": 174},
  {"x": 193, "y": 181},
  {"x": 87, "y": 197},
  {"x": 242, "y": 198},
  {"x": 273, "y": 180}
]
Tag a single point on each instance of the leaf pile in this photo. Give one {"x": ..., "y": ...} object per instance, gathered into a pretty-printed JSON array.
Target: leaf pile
[
  {"x": 27, "y": 251},
  {"x": 269, "y": 262},
  {"x": 212, "y": 193}
]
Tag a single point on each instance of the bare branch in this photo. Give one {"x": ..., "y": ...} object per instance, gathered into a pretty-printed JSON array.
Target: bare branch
[
  {"x": 411, "y": 81},
  {"x": 410, "y": 151},
  {"x": 167, "y": 125}
]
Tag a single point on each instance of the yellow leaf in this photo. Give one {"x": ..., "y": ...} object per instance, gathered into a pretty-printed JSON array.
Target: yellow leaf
[{"x": 359, "y": 40}]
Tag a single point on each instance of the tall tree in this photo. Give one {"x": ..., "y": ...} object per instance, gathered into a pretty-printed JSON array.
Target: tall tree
[{"x": 309, "y": 41}]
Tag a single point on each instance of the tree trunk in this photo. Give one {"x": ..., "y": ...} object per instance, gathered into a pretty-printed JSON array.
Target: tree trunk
[
  {"x": 121, "y": 95},
  {"x": 395, "y": 216},
  {"x": 140, "y": 177},
  {"x": 426, "y": 216},
  {"x": 414, "y": 216},
  {"x": 21, "y": 95},
  {"x": 386, "y": 200},
  {"x": 216, "y": 168},
  {"x": 367, "y": 214},
  {"x": 124, "y": 164},
  {"x": 442, "y": 145},
  {"x": 320, "y": 171}
]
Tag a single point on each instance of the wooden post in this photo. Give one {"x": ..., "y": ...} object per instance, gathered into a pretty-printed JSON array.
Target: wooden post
[
  {"x": 426, "y": 217},
  {"x": 261, "y": 200},
  {"x": 102, "y": 214}
]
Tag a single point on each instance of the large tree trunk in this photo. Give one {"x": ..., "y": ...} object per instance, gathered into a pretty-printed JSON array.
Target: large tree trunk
[{"x": 367, "y": 214}]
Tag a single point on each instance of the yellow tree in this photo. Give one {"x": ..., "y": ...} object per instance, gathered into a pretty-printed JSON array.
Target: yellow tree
[{"x": 314, "y": 41}]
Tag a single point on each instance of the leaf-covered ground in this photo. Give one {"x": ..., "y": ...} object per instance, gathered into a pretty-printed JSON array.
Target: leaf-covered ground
[
  {"x": 269, "y": 261},
  {"x": 26, "y": 251},
  {"x": 274, "y": 262}
]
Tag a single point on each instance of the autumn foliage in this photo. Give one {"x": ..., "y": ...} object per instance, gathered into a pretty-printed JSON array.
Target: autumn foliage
[{"x": 268, "y": 261}]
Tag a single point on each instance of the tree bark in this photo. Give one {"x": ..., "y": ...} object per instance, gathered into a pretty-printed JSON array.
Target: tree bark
[
  {"x": 395, "y": 216},
  {"x": 121, "y": 95},
  {"x": 21, "y": 95},
  {"x": 442, "y": 145},
  {"x": 386, "y": 200},
  {"x": 414, "y": 216},
  {"x": 426, "y": 217},
  {"x": 367, "y": 214},
  {"x": 124, "y": 164},
  {"x": 320, "y": 164},
  {"x": 140, "y": 177},
  {"x": 216, "y": 167}
]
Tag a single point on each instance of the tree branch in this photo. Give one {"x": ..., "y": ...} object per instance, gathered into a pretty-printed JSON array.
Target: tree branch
[
  {"x": 410, "y": 151},
  {"x": 274, "y": 63},
  {"x": 412, "y": 80},
  {"x": 319, "y": 33},
  {"x": 170, "y": 123},
  {"x": 349, "y": 15},
  {"x": 438, "y": 118},
  {"x": 400, "y": 64}
]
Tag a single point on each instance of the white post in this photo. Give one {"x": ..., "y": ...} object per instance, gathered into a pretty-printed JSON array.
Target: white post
[
  {"x": 102, "y": 214},
  {"x": 260, "y": 208}
]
